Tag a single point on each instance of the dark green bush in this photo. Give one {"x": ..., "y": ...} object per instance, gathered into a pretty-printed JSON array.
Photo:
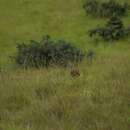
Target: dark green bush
[
  {"x": 47, "y": 52},
  {"x": 90, "y": 55},
  {"x": 91, "y": 7},
  {"x": 105, "y": 9},
  {"x": 114, "y": 30}
]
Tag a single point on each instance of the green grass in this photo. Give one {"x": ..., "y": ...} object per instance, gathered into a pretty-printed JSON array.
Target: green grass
[{"x": 50, "y": 99}]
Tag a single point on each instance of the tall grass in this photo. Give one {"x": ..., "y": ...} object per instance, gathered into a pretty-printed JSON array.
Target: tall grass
[{"x": 50, "y": 99}]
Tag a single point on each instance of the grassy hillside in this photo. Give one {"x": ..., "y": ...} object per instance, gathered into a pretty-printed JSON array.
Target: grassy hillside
[
  {"x": 24, "y": 20},
  {"x": 50, "y": 99},
  {"x": 27, "y": 19}
]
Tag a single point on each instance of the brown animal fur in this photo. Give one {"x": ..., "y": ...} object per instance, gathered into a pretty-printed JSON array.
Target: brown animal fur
[{"x": 75, "y": 73}]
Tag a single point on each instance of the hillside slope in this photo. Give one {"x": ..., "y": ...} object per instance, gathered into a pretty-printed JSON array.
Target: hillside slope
[
  {"x": 50, "y": 99},
  {"x": 24, "y": 20}
]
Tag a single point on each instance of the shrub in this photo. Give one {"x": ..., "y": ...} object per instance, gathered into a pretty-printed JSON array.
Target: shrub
[
  {"x": 105, "y": 9},
  {"x": 47, "y": 52},
  {"x": 91, "y": 7},
  {"x": 90, "y": 55},
  {"x": 114, "y": 30}
]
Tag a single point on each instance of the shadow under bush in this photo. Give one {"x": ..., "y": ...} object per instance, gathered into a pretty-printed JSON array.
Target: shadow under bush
[{"x": 47, "y": 52}]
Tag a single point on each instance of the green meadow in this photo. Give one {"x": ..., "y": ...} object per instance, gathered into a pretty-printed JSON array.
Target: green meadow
[{"x": 51, "y": 99}]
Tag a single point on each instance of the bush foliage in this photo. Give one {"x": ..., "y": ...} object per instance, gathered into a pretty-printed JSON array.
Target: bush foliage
[
  {"x": 114, "y": 30},
  {"x": 47, "y": 52},
  {"x": 105, "y": 9}
]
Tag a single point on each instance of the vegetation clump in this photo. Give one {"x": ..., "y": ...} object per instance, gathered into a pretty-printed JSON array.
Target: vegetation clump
[
  {"x": 105, "y": 9},
  {"x": 47, "y": 52},
  {"x": 114, "y": 30}
]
